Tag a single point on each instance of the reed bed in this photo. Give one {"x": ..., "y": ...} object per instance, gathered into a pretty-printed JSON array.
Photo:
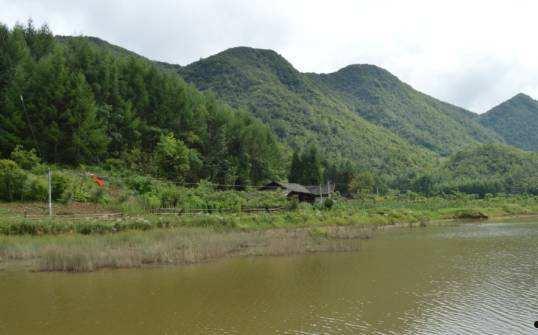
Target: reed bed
[{"x": 80, "y": 253}]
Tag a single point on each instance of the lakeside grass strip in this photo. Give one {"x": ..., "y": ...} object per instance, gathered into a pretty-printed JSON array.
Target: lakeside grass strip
[
  {"x": 384, "y": 211},
  {"x": 78, "y": 253}
]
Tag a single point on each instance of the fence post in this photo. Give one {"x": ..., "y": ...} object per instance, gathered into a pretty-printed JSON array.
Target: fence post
[{"x": 50, "y": 193}]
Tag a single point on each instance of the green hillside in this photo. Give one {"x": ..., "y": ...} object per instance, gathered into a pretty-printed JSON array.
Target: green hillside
[
  {"x": 74, "y": 101},
  {"x": 516, "y": 120},
  {"x": 492, "y": 168},
  {"x": 301, "y": 107},
  {"x": 80, "y": 100},
  {"x": 381, "y": 98},
  {"x": 300, "y": 111}
]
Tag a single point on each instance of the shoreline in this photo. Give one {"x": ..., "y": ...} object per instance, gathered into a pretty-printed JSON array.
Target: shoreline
[{"x": 192, "y": 245}]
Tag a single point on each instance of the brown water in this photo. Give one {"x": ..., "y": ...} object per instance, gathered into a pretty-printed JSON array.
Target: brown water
[{"x": 467, "y": 279}]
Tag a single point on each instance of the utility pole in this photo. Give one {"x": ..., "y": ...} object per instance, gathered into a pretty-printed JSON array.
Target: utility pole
[
  {"x": 30, "y": 127},
  {"x": 50, "y": 193},
  {"x": 320, "y": 195}
]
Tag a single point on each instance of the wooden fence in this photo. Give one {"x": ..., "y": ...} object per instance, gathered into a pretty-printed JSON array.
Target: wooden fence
[{"x": 157, "y": 211}]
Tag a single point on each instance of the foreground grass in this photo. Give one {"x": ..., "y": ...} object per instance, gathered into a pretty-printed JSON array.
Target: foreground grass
[
  {"x": 80, "y": 253},
  {"x": 371, "y": 211},
  {"x": 89, "y": 244}
]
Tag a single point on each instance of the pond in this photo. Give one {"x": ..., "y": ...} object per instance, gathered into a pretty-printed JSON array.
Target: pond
[{"x": 458, "y": 279}]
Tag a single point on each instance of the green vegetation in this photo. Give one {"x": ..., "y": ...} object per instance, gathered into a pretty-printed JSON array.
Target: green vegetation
[
  {"x": 300, "y": 111},
  {"x": 331, "y": 110},
  {"x": 181, "y": 168},
  {"x": 126, "y": 191},
  {"x": 306, "y": 168},
  {"x": 480, "y": 170},
  {"x": 516, "y": 121},
  {"x": 381, "y": 98},
  {"x": 87, "y": 245},
  {"x": 492, "y": 169},
  {"x": 370, "y": 211},
  {"x": 77, "y": 253},
  {"x": 74, "y": 102}
]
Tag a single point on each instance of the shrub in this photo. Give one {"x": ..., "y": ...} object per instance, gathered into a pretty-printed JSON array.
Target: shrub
[
  {"x": 98, "y": 195},
  {"x": 114, "y": 164},
  {"x": 60, "y": 183},
  {"x": 12, "y": 179},
  {"x": 140, "y": 184},
  {"x": 26, "y": 159},
  {"x": 328, "y": 203},
  {"x": 35, "y": 188}
]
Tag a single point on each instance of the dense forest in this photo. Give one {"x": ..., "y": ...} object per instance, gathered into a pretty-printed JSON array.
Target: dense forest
[
  {"x": 302, "y": 113},
  {"x": 516, "y": 120},
  {"x": 79, "y": 101},
  {"x": 74, "y": 103},
  {"x": 349, "y": 110}
]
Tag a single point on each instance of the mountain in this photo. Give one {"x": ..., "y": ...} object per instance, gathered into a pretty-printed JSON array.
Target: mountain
[
  {"x": 491, "y": 168},
  {"x": 73, "y": 101},
  {"x": 516, "y": 121},
  {"x": 490, "y": 161},
  {"x": 101, "y": 44},
  {"x": 301, "y": 107},
  {"x": 300, "y": 110},
  {"x": 115, "y": 50},
  {"x": 89, "y": 102},
  {"x": 381, "y": 98}
]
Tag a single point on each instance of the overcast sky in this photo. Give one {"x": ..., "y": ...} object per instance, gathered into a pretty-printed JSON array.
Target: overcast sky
[{"x": 472, "y": 53}]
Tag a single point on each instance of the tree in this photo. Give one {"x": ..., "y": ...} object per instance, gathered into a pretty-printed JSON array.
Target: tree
[
  {"x": 313, "y": 172},
  {"x": 173, "y": 159},
  {"x": 306, "y": 168},
  {"x": 362, "y": 184},
  {"x": 26, "y": 159},
  {"x": 85, "y": 140},
  {"x": 296, "y": 169}
]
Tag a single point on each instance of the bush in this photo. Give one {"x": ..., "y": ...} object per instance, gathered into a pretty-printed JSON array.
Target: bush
[
  {"x": 26, "y": 159},
  {"x": 140, "y": 184},
  {"x": 35, "y": 188},
  {"x": 328, "y": 203},
  {"x": 12, "y": 179},
  {"x": 60, "y": 183}
]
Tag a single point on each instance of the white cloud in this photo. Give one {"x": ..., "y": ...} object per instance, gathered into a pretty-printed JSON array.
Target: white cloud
[{"x": 471, "y": 53}]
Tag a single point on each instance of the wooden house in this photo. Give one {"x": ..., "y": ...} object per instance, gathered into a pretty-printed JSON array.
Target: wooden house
[{"x": 302, "y": 193}]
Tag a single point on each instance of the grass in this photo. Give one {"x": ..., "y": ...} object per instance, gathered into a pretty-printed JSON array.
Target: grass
[
  {"x": 134, "y": 241},
  {"x": 79, "y": 253}
]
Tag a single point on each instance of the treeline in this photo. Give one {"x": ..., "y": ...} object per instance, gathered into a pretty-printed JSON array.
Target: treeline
[
  {"x": 480, "y": 170},
  {"x": 77, "y": 104}
]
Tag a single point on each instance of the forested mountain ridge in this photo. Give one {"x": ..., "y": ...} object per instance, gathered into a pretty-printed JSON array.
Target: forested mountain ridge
[
  {"x": 492, "y": 168},
  {"x": 381, "y": 98},
  {"x": 516, "y": 120},
  {"x": 80, "y": 101},
  {"x": 299, "y": 112},
  {"x": 268, "y": 86}
]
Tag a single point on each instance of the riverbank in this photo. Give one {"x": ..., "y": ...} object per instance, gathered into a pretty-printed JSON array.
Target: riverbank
[
  {"x": 177, "y": 246},
  {"x": 89, "y": 244}
]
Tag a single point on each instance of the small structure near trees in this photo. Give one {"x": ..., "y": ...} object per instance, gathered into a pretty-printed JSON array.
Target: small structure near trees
[{"x": 302, "y": 193}]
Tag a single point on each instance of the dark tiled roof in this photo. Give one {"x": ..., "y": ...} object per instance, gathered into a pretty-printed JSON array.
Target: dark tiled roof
[{"x": 298, "y": 188}]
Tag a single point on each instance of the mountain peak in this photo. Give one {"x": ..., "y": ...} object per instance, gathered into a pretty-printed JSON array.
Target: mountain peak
[
  {"x": 522, "y": 97},
  {"x": 515, "y": 105},
  {"x": 245, "y": 52},
  {"x": 252, "y": 56},
  {"x": 364, "y": 71},
  {"x": 516, "y": 121}
]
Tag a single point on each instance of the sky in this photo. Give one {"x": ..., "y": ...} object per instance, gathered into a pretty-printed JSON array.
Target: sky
[{"x": 474, "y": 54}]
